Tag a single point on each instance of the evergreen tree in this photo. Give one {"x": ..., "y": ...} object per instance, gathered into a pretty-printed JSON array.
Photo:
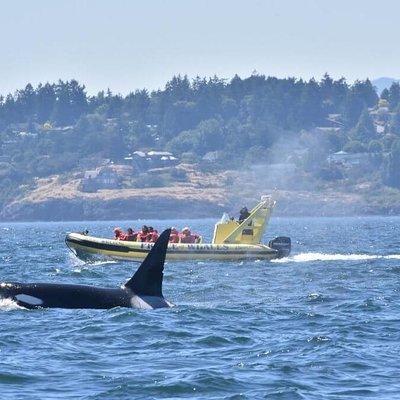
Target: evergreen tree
[
  {"x": 360, "y": 96},
  {"x": 45, "y": 101},
  {"x": 395, "y": 122},
  {"x": 61, "y": 115},
  {"x": 385, "y": 94},
  {"x": 375, "y": 146},
  {"x": 352, "y": 109},
  {"x": 25, "y": 103},
  {"x": 137, "y": 104},
  {"x": 394, "y": 95},
  {"x": 365, "y": 129},
  {"x": 393, "y": 165},
  {"x": 77, "y": 99},
  {"x": 311, "y": 112}
]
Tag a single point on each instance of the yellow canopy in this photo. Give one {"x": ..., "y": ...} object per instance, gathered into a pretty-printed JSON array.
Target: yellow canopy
[{"x": 251, "y": 230}]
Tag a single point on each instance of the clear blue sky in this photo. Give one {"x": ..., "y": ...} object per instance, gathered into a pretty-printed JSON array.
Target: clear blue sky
[{"x": 129, "y": 44}]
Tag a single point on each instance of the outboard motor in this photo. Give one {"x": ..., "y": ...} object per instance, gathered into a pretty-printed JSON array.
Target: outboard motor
[{"x": 282, "y": 244}]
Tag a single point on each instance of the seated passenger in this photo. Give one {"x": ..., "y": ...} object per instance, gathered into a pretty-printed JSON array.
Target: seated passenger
[
  {"x": 174, "y": 236},
  {"x": 142, "y": 235},
  {"x": 187, "y": 237},
  {"x": 131, "y": 236},
  {"x": 119, "y": 234},
  {"x": 153, "y": 235}
]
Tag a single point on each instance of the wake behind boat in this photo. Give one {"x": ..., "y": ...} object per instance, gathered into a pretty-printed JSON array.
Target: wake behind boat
[{"x": 232, "y": 240}]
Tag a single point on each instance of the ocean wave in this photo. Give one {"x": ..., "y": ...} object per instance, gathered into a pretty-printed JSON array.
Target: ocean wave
[
  {"x": 77, "y": 262},
  {"x": 309, "y": 257}
]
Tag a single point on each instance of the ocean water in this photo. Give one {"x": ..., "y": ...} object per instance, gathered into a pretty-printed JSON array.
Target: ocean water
[{"x": 323, "y": 323}]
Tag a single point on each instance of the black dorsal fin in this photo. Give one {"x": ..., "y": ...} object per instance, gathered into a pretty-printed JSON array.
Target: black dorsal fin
[{"x": 147, "y": 280}]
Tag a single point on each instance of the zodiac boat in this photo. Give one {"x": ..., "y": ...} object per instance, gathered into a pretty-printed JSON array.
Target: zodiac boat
[{"x": 232, "y": 240}]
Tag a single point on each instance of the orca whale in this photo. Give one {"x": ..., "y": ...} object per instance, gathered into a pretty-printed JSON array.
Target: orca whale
[{"x": 143, "y": 290}]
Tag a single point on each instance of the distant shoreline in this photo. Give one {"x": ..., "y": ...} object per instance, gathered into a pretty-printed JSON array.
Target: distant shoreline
[
  {"x": 164, "y": 216},
  {"x": 190, "y": 203}
]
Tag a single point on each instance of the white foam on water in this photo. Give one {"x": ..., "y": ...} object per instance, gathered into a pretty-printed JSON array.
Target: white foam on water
[
  {"x": 99, "y": 263},
  {"x": 309, "y": 257},
  {"x": 393, "y": 257},
  {"x": 79, "y": 265},
  {"x": 9, "y": 305}
]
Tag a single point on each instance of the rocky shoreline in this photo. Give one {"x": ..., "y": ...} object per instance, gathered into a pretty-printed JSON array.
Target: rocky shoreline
[
  {"x": 75, "y": 210},
  {"x": 290, "y": 204}
]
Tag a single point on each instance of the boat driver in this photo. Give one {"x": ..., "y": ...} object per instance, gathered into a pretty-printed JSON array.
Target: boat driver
[{"x": 243, "y": 214}]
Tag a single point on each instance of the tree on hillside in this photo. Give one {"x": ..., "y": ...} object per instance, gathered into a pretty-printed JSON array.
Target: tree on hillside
[
  {"x": 311, "y": 112},
  {"x": 45, "y": 100},
  {"x": 333, "y": 93},
  {"x": 360, "y": 96},
  {"x": 394, "y": 126},
  {"x": 394, "y": 95},
  {"x": 77, "y": 99},
  {"x": 137, "y": 104},
  {"x": 352, "y": 109},
  {"x": 393, "y": 166},
  {"x": 385, "y": 94},
  {"x": 25, "y": 103},
  {"x": 179, "y": 88},
  {"x": 375, "y": 146},
  {"x": 70, "y": 102},
  {"x": 365, "y": 129}
]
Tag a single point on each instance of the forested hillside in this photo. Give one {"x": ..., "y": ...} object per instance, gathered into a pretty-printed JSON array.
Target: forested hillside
[{"x": 56, "y": 128}]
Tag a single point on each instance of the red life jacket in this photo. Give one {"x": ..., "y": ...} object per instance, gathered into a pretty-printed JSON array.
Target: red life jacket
[
  {"x": 188, "y": 238},
  {"x": 122, "y": 236},
  {"x": 142, "y": 236},
  {"x": 131, "y": 237},
  {"x": 174, "y": 238},
  {"x": 153, "y": 236}
]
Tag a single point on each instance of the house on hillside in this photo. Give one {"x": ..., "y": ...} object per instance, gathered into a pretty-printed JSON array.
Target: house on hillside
[
  {"x": 103, "y": 178},
  {"x": 48, "y": 128},
  {"x": 349, "y": 159},
  {"x": 143, "y": 161},
  {"x": 352, "y": 165},
  {"x": 380, "y": 114}
]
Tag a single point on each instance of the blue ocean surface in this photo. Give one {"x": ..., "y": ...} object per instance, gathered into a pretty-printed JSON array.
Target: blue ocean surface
[{"x": 323, "y": 323}]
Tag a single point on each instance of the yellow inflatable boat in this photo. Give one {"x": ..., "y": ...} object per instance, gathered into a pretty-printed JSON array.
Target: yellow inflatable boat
[{"x": 232, "y": 240}]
